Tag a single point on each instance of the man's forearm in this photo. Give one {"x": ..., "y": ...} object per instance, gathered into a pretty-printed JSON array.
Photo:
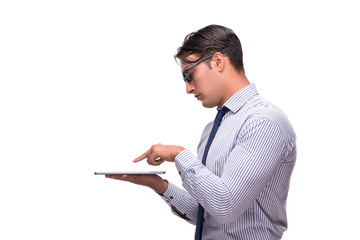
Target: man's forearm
[{"x": 181, "y": 202}]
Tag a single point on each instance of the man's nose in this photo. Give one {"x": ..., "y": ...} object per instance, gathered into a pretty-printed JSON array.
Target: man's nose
[{"x": 190, "y": 87}]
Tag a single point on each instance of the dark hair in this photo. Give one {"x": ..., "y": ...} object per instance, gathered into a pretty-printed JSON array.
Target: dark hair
[{"x": 209, "y": 40}]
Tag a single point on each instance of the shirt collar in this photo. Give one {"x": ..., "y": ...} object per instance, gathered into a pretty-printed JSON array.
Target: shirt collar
[{"x": 241, "y": 97}]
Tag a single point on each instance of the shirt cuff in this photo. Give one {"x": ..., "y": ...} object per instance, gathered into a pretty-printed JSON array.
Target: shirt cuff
[
  {"x": 186, "y": 161},
  {"x": 171, "y": 195}
]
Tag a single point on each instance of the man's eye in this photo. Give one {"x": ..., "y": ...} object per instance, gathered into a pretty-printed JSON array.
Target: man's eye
[{"x": 190, "y": 75}]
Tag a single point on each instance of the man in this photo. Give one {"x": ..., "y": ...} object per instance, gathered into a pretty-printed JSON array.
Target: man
[{"x": 236, "y": 188}]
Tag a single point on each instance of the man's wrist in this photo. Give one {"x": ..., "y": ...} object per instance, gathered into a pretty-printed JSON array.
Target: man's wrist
[{"x": 161, "y": 186}]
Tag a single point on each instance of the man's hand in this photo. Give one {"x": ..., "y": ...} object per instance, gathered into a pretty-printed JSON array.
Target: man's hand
[
  {"x": 159, "y": 153},
  {"x": 152, "y": 181},
  {"x": 156, "y": 155}
]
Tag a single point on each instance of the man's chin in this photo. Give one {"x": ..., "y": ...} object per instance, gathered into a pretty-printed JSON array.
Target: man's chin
[{"x": 207, "y": 104}]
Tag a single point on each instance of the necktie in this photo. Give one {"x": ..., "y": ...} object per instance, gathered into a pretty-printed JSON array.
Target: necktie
[{"x": 218, "y": 118}]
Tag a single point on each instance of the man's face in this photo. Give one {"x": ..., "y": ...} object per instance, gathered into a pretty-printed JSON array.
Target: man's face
[{"x": 205, "y": 83}]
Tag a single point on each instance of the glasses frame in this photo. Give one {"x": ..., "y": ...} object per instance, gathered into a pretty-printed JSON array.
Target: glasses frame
[{"x": 185, "y": 73}]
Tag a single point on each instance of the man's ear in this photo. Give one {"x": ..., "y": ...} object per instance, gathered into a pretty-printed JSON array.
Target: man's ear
[{"x": 219, "y": 61}]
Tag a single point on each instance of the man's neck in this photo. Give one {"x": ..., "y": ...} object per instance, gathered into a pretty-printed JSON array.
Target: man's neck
[{"x": 234, "y": 83}]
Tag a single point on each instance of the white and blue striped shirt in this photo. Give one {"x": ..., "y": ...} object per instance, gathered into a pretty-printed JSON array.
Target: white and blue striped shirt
[{"x": 245, "y": 183}]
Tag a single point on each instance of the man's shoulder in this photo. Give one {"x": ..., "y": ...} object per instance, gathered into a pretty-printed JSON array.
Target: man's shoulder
[{"x": 258, "y": 107}]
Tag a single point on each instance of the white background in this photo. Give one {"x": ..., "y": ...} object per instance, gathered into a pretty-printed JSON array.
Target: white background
[{"x": 90, "y": 85}]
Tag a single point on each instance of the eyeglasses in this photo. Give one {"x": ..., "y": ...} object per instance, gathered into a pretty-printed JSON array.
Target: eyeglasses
[{"x": 186, "y": 75}]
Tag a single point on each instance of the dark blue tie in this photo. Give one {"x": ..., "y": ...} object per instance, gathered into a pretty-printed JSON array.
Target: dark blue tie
[{"x": 200, "y": 217}]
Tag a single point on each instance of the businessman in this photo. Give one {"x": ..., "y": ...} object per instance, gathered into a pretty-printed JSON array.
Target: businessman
[{"x": 237, "y": 185}]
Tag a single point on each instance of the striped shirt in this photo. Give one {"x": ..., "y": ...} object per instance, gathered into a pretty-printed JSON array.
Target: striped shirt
[{"x": 244, "y": 185}]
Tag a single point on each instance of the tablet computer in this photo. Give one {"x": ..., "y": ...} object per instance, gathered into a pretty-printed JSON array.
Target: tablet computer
[{"x": 132, "y": 172}]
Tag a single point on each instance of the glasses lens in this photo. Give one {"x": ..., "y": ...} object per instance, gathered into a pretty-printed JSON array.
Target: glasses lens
[{"x": 186, "y": 76}]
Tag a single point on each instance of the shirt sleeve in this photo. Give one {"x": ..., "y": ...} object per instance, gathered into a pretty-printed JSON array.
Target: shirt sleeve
[
  {"x": 181, "y": 202},
  {"x": 248, "y": 169}
]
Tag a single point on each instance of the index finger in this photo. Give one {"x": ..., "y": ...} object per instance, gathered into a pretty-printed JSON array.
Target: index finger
[{"x": 142, "y": 156}]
